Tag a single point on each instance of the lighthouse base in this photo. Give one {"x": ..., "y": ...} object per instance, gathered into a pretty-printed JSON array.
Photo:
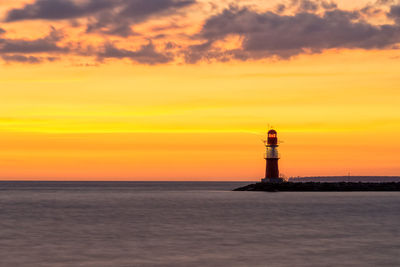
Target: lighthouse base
[{"x": 272, "y": 180}]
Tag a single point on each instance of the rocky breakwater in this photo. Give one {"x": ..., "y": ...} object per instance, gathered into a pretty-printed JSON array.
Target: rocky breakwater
[{"x": 320, "y": 187}]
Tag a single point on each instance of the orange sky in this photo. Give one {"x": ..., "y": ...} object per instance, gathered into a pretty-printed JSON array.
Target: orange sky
[{"x": 83, "y": 116}]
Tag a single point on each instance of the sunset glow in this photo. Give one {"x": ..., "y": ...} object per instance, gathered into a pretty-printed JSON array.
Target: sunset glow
[{"x": 186, "y": 90}]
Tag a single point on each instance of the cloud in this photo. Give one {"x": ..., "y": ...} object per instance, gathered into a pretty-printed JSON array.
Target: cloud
[
  {"x": 328, "y": 5},
  {"x": 140, "y": 10},
  {"x": 56, "y": 10},
  {"x": 147, "y": 54},
  {"x": 109, "y": 17},
  {"x": 132, "y": 12},
  {"x": 235, "y": 33},
  {"x": 22, "y": 59},
  {"x": 384, "y": 2},
  {"x": 270, "y": 34},
  {"x": 46, "y": 44},
  {"x": 308, "y": 5},
  {"x": 394, "y": 13}
]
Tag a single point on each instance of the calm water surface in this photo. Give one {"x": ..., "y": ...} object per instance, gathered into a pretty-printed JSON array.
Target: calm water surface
[{"x": 193, "y": 224}]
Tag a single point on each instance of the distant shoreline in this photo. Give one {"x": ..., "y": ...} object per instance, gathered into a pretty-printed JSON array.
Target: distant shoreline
[
  {"x": 321, "y": 187},
  {"x": 348, "y": 178}
]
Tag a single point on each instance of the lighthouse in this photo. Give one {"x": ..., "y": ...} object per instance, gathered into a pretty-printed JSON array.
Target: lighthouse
[{"x": 272, "y": 157}]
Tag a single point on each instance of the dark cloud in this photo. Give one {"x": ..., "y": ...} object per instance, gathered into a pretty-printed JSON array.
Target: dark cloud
[
  {"x": 269, "y": 34},
  {"x": 110, "y": 25},
  {"x": 147, "y": 54},
  {"x": 132, "y": 12},
  {"x": 140, "y": 10},
  {"x": 371, "y": 11},
  {"x": 22, "y": 59},
  {"x": 18, "y": 58},
  {"x": 57, "y": 9},
  {"x": 280, "y": 8},
  {"x": 109, "y": 17},
  {"x": 311, "y": 5},
  {"x": 394, "y": 13},
  {"x": 308, "y": 5},
  {"x": 171, "y": 45},
  {"x": 328, "y": 5},
  {"x": 2, "y": 31},
  {"x": 47, "y": 44},
  {"x": 195, "y": 53},
  {"x": 384, "y": 2}
]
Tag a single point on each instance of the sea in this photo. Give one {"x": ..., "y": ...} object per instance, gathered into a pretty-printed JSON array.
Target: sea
[{"x": 185, "y": 224}]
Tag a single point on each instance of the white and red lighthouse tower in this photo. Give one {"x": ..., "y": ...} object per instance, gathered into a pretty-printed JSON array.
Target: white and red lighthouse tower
[{"x": 272, "y": 157}]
